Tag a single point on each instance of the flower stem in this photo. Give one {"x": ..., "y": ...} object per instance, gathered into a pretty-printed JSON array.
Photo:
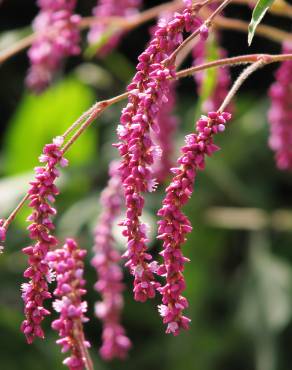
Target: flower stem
[
  {"x": 233, "y": 61},
  {"x": 240, "y": 80},
  {"x": 79, "y": 337},
  {"x": 94, "y": 112},
  {"x": 16, "y": 47}
]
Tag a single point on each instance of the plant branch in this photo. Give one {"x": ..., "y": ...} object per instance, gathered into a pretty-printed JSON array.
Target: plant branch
[
  {"x": 240, "y": 80},
  {"x": 233, "y": 61},
  {"x": 95, "y": 112},
  {"x": 98, "y": 108},
  {"x": 86, "y": 22},
  {"x": 130, "y": 23},
  {"x": 16, "y": 47}
]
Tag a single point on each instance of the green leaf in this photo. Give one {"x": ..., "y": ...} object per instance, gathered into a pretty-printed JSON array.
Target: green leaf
[
  {"x": 38, "y": 119},
  {"x": 257, "y": 15}
]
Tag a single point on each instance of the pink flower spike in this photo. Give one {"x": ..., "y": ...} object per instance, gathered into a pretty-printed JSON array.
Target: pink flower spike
[
  {"x": 148, "y": 92},
  {"x": 58, "y": 37},
  {"x": 173, "y": 225},
  {"x": 280, "y": 113},
  {"x": 115, "y": 343},
  {"x": 41, "y": 193},
  {"x": 68, "y": 264}
]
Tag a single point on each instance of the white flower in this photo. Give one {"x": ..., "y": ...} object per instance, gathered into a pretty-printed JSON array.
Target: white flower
[
  {"x": 58, "y": 140},
  {"x": 163, "y": 310}
]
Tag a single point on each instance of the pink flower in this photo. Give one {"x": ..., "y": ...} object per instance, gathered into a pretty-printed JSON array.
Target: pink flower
[
  {"x": 41, "y": 195},
  {"x": 280, "y": 113},
  {"x": 2, "y": 234},
  {"x": 106, "y": 262},
  {"x": 110, "y": 8},
  {"x": 57, "y": 36},
  {"x": 174, "y": 225},
  {"x": 148, "y": 91},
  {"x": 69, "y": 266}
]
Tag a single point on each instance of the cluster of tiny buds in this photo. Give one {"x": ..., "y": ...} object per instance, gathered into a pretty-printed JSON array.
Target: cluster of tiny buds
[
  {"x": 173, "y": 225},
  {"x": 68, "y": 264},
  {"x": 57, "y": 37},
  {"x": 106, "y": 260},
  {"x": 148, "y": 91},
  {"x": 41, "y": 196},
  {"x": 280, "y": 113}
]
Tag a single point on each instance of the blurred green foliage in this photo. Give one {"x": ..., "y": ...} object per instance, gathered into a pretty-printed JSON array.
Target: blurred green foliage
[{"x": 50, "y": 115}]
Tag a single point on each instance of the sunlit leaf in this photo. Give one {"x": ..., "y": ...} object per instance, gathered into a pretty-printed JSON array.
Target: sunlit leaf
[{"x": 257, "y": 15}]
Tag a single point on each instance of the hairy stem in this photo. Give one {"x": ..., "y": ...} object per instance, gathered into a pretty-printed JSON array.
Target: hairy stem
[
  {"x": 79, "y": 337},
  {"x": 243, "y": 76},
  {"x": 16, "y": 47}
]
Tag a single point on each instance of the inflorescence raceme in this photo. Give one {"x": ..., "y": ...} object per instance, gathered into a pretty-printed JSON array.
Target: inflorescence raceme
[
  {"x": 280, "y": 113},
  {"x": 42, "y": 194},
  {"x": 146, "y": 146},
  {"x": 174, "y": 225},
  {"x": 68, "y": 264},
  {"x": 57, "y": 38},
  {"x": 148, "y": 91},
  {"x": 115, "y": 343}
]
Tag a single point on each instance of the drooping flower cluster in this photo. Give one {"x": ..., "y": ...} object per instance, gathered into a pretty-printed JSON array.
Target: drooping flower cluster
[
  {"x": 57, "y": 37},
  {"x": 280, "y": 113},
  {"x": 110, "y": 8},
  {"x": 69, "y": 266},
  {"x": 106, "y": 262},
  {"x": 174, "y": 225},
  {"x": 41, "y": 196},
  {"x": 148, "y": 90},
  {"x": 222, "y": 79}
]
